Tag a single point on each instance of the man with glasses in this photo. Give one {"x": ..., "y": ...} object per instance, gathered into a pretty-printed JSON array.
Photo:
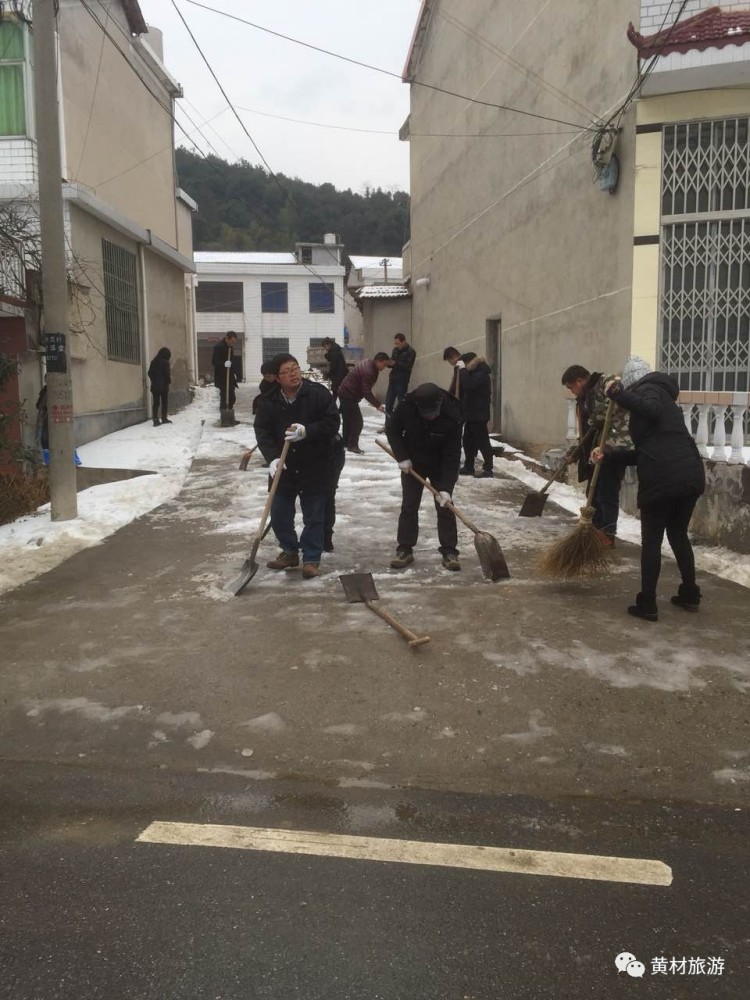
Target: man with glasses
[{"x": 303, "y": 413}]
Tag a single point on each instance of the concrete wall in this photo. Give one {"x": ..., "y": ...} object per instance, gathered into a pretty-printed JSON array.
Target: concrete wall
[
  {"x": 383, "y": 319},
  {"x": 118, "y": 137},
  {"x": 165, "y": 304},
  {"x": 514, "y": 230}
]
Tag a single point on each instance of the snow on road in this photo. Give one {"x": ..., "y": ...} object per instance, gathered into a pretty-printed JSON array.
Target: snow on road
[{"x": 34, "y": 544}]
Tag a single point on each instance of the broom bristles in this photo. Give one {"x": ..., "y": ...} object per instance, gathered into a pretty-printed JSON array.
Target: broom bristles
[{"x": 578, "y": 555}]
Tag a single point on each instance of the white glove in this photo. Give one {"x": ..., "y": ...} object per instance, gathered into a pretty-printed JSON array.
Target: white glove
[
  {"x": 381, "y": 408},
  {"x": 443, "y": 498},
  {"x": 613, "y": 386},
  {"x": 273, "y": 465},
  {"x": 460, "y": 364},
  {"x": 227, "y": 364},
  {"x": 405, "y": 465},
  {"x": 295, "y": 433}
]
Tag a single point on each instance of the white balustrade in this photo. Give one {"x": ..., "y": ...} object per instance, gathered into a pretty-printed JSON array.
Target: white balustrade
[
  {"x": 720, "y": 434},
  {"x": 738, "y": 436},
  {"x": 701, "y": 438},
  {"x": 571, "y": 434}
]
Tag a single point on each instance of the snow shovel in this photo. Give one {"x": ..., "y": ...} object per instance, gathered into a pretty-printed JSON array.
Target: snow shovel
[
  {"x": 533, "y": 504},
  {"x": 227, "y": 414},
  {"x": 360, "y": 588},
  {"x": 250, "y": 566},
  {"x": 491, "y": 558},
  {"x": 246, "y": 458}
]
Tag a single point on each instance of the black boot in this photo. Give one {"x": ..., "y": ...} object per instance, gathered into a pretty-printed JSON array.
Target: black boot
[
  {"x": 687, "y": 597},
  {"x": 644, "y": 607},
  {"x": 156, "y": 423}
]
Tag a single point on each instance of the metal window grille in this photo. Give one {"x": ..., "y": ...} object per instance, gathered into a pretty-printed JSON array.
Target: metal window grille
[
  {"x": 274, "y": 297},
  {"x": 273, "y": 346},
  {"x": 321, "y": 297},
  {"x": 705, "y": 255},
  {"x": 121, "y": 303}
]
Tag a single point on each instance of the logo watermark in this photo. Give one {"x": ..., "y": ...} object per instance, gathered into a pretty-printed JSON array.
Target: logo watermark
[{"x": 663, "y": 966}]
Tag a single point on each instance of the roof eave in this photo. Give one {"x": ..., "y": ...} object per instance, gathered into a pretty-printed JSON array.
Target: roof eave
[
  {"x": 133, "y": 13},
  {"x": 417, "y": 40}
]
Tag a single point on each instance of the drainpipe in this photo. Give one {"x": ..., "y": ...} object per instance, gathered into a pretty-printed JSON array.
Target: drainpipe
[{"x": 146, "y": 354}]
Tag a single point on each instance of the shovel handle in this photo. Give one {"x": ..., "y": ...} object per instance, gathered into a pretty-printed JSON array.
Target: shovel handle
[
  {"x": 436, "y": 493},
  {"x": 411, "y": 637},
  {"x": 271, "y": 495}
]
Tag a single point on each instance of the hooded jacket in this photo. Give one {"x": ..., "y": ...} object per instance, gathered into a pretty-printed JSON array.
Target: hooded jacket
[
  {"x": 667, "y": 458},
  {"x": 159, "y": 371},
  {"x": 337, "y": 366},
  {"x": 434, "y": 446},
  {"x": 475, "y": 389},
  {"x": 308, "y": 467}
]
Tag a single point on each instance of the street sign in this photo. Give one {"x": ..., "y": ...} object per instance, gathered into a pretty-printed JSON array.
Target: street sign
[{"x": 54, "y": 347}]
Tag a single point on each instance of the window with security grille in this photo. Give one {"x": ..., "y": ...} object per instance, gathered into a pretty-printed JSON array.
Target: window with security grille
[
  {"x": 705, "y": 255},
  {"x": 321, "y": 297},
  {"x": 14, "y": 76},
  {"x": 121, "y": 303},
  {"x": 219, "y": 296},
  {"x": 273, "y": 346},
  {"x": 274, "y": 297}
]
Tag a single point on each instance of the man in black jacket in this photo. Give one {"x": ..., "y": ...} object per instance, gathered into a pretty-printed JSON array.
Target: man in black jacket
[
  {"x": 403, "y": 357},
  {"x": 227, "y": 367},
  {"x": 337, "y": 366},
  {"x": 425, "y": 434},
  {"x": 305, "y": 414},
  {"x": 473, "y": 386}
]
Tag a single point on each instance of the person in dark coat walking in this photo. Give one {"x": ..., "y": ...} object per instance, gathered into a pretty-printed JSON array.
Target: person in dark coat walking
[
  {"x": 337, "y": 366},
  {"x": 224, "y": 358},
  {"x": 305, "y": 414},
  {"x": 161, "y": 377},
  {"x": 358, "y": 386},
  {"x": 472, "y": 384},
  {"x": 403, "y": 357},
  {"x": 266, "y": 384},
  {"x": 425, "y": 434},
  {"x": 671, "y": 477}
]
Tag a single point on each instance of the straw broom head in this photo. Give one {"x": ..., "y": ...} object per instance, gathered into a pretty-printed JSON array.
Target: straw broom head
[{"x": 579, "y": 555}]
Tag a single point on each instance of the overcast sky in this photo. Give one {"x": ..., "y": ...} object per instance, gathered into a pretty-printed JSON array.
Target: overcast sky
[{"x": 270, "y": 75}]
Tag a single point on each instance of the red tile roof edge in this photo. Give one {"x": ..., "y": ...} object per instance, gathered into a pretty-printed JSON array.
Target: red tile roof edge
[{"x": 705, "y": 30}]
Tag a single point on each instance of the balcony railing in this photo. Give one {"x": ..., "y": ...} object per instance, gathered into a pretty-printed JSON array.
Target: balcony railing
[
  {"x": 13, "y": 273},
  {"x": 718, "y": 421}
]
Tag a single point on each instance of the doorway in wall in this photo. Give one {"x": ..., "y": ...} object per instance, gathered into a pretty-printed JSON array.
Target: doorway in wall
[{"x": 493, "y": 353}]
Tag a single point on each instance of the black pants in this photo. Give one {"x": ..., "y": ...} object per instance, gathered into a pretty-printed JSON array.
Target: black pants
[
  {"x": 330, "y": 513},
  {"x": 226, "y": 399},
  {"x": 477, "y": 439},
  {"x": 408, "y": 522},
  {"x": 672, "y": 516},
  {"x": 351, "y": 420},
  {"x": 606, "y": 500},
  {"x": 397, "y": 389},
  {"x": 159, "y": 397}
]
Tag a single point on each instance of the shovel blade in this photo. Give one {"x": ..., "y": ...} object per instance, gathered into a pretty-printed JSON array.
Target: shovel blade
[
  {"x": 533, "y": 505},
  {"x": 491, "y": 557},
  {"x": 249, "y": 569},
  {"x": 227, "y": 418},
  {"x": 359, "y": 587}
]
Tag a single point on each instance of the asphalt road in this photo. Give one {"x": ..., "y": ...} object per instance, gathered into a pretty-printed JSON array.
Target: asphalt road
[{"x": 90, "y": 912}]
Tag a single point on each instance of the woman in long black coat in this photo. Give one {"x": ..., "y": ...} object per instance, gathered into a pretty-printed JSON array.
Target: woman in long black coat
[
  {"x": 671, "y": 477},
  {"x": 160, "y": 375}
]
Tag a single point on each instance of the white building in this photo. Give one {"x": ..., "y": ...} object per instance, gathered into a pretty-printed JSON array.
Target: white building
[{"x": 275, "y": 302}]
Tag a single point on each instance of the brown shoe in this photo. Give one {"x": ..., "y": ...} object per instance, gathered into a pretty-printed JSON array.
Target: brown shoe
[
  {"x": 310, "y": 570},
  {"x": 284, "y": 560}
]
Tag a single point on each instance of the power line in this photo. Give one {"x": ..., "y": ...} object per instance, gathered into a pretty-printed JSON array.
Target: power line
[{"x": 386, "y": 72}]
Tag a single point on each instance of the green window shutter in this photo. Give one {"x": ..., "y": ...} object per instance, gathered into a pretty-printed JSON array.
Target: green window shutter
[{"x": 12, "y": 104}]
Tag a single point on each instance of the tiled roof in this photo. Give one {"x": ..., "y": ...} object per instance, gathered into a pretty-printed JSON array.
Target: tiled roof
[
  {"x": 242, "y": 257},
  {"x": 384, "y": 292},
  {"x": 712, "y": 28}
]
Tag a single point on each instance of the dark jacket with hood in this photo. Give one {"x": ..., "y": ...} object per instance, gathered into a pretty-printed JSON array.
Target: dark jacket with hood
[
  {"x": 159, "y": 371},
  {"x": 219, "y": 355},
  {"x": 669, "y": 465},
  {"x": 309, "y": 462},
  {"x": 434, "y": 446},
  {"x": 337, "y": 366},
  {"x": 475, "y": 389}
]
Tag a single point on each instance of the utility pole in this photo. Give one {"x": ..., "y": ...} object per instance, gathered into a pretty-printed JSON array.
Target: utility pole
[
  {"x": 62, "y": 470},
  {"x": 384, "y": 264}
]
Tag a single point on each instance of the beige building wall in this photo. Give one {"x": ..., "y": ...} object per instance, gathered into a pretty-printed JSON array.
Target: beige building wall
[
  {"x": 519, "y": 243},
  {"x": 382, "y": 320},
  {"x": 118, "y": 137}
]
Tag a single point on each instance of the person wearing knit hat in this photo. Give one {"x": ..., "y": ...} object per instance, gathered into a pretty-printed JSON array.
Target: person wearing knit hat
[
  {"x": 671, "y": 477},
  {"x": 591, "y": 410}
]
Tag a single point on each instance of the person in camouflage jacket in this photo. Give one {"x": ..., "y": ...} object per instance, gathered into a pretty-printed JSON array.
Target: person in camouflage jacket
[{"x": 591, "y": 409}]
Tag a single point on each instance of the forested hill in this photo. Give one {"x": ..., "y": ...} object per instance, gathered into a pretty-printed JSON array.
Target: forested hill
[{"x": 241, "y": 207}]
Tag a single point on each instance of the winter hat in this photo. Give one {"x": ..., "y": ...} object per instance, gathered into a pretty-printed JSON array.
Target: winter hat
[
  {"x": 428, "y": 398},
  {"x": 634, "y": 370}
]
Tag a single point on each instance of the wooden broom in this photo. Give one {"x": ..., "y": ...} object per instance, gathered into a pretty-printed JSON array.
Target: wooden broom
[{"x": 582, "y": 553}]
